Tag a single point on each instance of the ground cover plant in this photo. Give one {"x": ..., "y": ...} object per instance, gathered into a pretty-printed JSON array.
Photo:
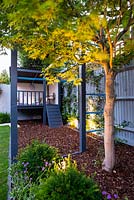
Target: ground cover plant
[{"x": 4, "y": 143}]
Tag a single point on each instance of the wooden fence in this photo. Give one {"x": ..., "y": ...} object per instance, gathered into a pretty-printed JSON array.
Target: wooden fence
[{"x": 124, "y": 106}]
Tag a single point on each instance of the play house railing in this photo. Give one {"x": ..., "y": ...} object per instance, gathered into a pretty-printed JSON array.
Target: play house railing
[
  {"x": 29, "y": 98},
  {"x": 33, "y": 98}
]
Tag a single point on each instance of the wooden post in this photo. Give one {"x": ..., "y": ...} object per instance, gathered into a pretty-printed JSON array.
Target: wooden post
[
  {"x": 14, "y": 131},
  {"x": 44, "y": 102},
  {"x": 82, "y": 108},
  {"x": 59, "y": 95}
]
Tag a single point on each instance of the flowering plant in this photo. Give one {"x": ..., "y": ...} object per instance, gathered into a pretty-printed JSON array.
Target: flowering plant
[
  {"x": 36, "y": 159},
  {"x": 33, "y": 163},
  {"x": 108, "y": 196}
]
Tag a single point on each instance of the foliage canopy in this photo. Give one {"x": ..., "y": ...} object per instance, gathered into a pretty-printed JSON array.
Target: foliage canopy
[{"x": 69, "y": 33}]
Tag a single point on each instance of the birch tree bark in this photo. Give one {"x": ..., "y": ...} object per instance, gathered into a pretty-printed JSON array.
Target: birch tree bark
[{"x": 109, "y": 159}]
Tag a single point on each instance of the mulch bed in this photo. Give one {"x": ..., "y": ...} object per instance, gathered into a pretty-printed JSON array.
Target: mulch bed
[{"x": 120, "y": 181}]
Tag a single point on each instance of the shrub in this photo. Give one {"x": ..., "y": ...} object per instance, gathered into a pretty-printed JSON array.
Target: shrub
[
  {"x": 67, "y": 184},
  {"x": 4, "y": 118},
  {"x": 34, "y": 162},
  {"x": 41, "y": 174},
  {"x": 37, "y": 159}
]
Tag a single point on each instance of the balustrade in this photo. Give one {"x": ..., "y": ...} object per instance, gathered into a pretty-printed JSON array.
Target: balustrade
[{"x": 29, "y": 98}]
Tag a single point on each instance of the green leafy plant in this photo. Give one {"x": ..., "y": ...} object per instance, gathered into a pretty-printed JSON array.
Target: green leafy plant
[
  {"x": 118, "y": 127},
  {"x": 122, "y": 125},
  {"x": 69, "y": 101},
  {"x": 119, "y": 140},
  {"x": 57, "y": 179},
  {"x": 36, "y": 159},
  {"x": 94, "y": 78},
  {"x": 4, "y": 118},
  {"x": 33, "y": 163},
  {"x": 28, "y": 63},
  {"x": 99, "y": 157},
  {"x": 67, "y": 183}
]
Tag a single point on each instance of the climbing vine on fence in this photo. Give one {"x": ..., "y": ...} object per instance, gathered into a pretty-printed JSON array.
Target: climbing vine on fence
[
  {"x": 69, "y": 101},
  {"x": 95, "y": 103}
]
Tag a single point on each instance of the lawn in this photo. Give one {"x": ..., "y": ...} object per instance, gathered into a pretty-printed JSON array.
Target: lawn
[{"x": 4, "y": 144}]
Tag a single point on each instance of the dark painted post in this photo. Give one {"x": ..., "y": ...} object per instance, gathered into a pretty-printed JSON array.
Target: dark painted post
[
  {"x": 44, "y": 102},
  {"x": 59, "y": 94},
  {"x": 82, "y": 107},
  {"x": 14, "y": 131}
]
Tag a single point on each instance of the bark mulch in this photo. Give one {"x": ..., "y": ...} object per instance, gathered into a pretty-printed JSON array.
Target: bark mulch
[{"x": 120, "y": 181}]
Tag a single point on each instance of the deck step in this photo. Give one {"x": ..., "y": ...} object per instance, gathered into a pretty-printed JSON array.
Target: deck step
[{"x": 54, "y": 116}]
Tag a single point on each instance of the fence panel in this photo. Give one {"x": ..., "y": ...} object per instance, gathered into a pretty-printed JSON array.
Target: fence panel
[{"x": 124, "y": 106}]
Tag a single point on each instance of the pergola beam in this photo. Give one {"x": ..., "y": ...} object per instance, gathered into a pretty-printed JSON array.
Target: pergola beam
[
  {"x": 44, "y": 103},
  {"x": 82, "y": 107},
  {"x": 14, "y": 131}
]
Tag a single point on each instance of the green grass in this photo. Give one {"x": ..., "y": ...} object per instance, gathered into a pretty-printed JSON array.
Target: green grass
[{"x": 4, "y": 144}]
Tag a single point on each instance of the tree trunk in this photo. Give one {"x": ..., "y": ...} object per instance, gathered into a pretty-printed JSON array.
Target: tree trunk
[{"x": 109, "y": 160}]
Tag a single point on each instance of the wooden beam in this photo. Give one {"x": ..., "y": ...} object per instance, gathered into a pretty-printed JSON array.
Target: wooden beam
[
  {"x": 82, "y": 107},
  {"x": 125, "y": 98},
  {"x": 14, "y": 131},
  {"x": 28, "y": 70},
  {"x": 59, "y": 95},
  {"x": 44, "y": 102},
  {"x": 30, "y": 78}
]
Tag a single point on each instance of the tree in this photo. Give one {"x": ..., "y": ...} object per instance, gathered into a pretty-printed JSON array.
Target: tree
[
  {"x": 73, "y": 32},
  {"x": 4, "y": 78},
  {"x": 27, "y": 62}
]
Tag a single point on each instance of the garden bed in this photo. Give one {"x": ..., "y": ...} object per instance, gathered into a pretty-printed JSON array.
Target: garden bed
[{"x": 120, "y": 181}]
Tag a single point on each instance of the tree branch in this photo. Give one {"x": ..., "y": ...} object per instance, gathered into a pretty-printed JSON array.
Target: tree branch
[
  {"x": 130, "y": 22},
  {"x": 111, "y": 48}
]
